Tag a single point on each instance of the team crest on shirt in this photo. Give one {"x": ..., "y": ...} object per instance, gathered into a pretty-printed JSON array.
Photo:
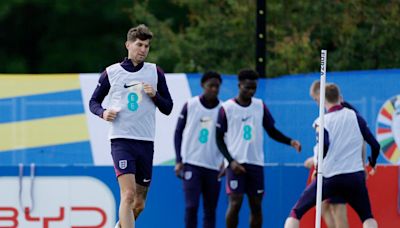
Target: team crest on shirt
[
  {"x": 233, "y": 184},
  {"x": 188, "y": 175},
  {"x": 123, "y": 164}
]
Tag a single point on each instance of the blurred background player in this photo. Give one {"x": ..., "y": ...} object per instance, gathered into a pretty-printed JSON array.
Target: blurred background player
[
  {"x": 198, "y": 159},
  {"x": 240, "y": 133},
  {"x": 334, "y": 210},
  {"x": 343, "y": 176},
  {"x": 135, "y": 88}
]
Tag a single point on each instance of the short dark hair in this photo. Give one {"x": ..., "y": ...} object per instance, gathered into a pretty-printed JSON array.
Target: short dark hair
[
  {"x": 314, "y": 89},
  {"x": 332, "y": 93},
  {"x": 210, "y": 74},
  {"x": 141, "y": 32},
  {"x": 247, "y": 74}
]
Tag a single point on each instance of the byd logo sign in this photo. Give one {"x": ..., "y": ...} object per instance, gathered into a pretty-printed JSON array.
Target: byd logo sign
[
  {"x": 10, "y": 216},
  {"x": 57, "y": 202}
]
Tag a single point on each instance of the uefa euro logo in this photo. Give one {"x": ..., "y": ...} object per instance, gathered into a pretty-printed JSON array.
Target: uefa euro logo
[{"x": 388, "y": 129}]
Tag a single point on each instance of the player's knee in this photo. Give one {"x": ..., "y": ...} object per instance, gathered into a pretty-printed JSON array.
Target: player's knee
[
  {"x": 292, "y": 223},
  {"x": 191, "y": 207},
  {"x": 256, "y": 209},
  {"x": 209, "y": 210},
  {"x": 191, "y": 204},
  {"x": 256, "y": 213},
  {"x": 341, "y": 222},
  {"x": 370, "y": 223},
  {"x": 128, "y": 196},
  {"x": 235, "y": 205}
]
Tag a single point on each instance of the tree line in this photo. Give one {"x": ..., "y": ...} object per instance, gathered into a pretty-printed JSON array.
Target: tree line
[{"x": 63, "y": 36}]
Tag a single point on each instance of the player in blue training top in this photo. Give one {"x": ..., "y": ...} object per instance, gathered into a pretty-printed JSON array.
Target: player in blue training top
[
  {"x": 240, "y": 138},
  {"x": 198, "y": 160},
  {"x": 135, "y": 88}
]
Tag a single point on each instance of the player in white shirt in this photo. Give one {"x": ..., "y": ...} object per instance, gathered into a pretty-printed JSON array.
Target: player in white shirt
[
  {"x": 198, "y": 160},
  {"x": 344, "y": 135},
  {"x": 135, "y": 89},
  {"x": 333, "y": 210},
  {"x": 240, "y": 138}
]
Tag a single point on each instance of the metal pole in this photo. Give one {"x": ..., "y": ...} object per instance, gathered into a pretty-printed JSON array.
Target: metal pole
[
  {"x": 261, "y": 38},
  {"x": 321, "y": 126}
]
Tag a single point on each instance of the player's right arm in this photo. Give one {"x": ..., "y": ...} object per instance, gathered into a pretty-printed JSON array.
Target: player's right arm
[
  {"x": 180, "y": 127},
  {"x": 222, "y": 127},
  {"x": 274, "y": 133},
  {"x": 101, "y": 91}
]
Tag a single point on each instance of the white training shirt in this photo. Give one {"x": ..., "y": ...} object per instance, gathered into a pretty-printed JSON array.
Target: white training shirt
[
  {"x": 345, "y": 143},
  {"x": 136, "y": 118},
  {"x": 199, "y": 145},
  {"x": 245, "y": 134}
]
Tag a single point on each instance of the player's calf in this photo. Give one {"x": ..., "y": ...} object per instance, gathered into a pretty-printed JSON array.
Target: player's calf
[{"x": 138, "y": 207}]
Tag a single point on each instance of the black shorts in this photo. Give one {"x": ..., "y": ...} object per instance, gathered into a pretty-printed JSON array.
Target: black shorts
[
  {"x": 250, "y": 183},
  {"x": 135, "y": 157},
  {"x": 350, "y": 187}
]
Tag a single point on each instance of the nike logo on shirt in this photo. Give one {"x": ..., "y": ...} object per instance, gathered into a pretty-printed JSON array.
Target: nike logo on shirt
[
  {"x": 245, "y": 118},
  {"x": 204, "y": 120},
  {"x": 127, "y": 86}
]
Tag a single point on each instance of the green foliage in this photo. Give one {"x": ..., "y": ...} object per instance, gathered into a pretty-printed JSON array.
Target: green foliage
[
  {"x": 40, "y": 36},
  {"x": 195, "y": 36},
  {"x": 358, "y": 34}
]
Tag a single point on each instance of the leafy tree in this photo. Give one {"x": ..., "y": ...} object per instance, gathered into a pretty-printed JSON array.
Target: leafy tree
[
  {"x": 39, "y": 36},
  {"x": 195, "y": 36}
]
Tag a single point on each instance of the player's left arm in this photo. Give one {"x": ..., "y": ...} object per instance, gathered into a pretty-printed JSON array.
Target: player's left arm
[
  {"x": 274, "y": 133},
  {"x": 161, "y": 98},
  {"x": 370, "y": 139},
  {"x": 221, "y": 129},
  {"x": 101, "y": 91},
  {"x": 180, "y": 127}
]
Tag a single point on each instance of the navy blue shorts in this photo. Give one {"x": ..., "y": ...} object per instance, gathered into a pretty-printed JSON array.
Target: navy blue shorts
[
  {"x": 351, "y": 187},
  {"x": 133, "y": 156},
  {"x": 333, "y": 199},
  {"x": 336, "y": 200},
  {"x": 250, "y": 183},
  {"x": 197, "y": 180}
]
